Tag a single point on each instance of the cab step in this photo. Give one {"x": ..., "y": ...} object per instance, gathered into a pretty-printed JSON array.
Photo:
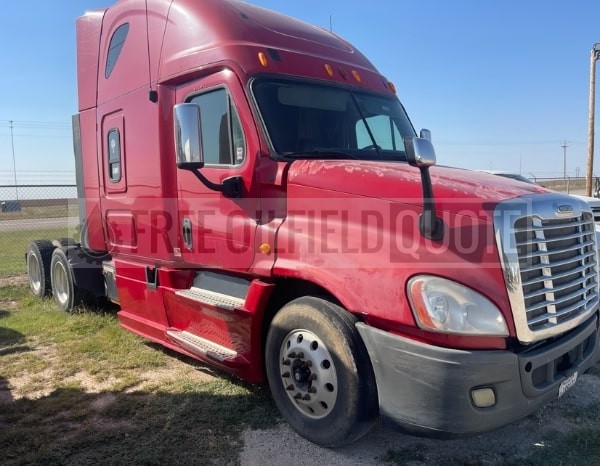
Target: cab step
[
  {"x": 203, "y": 347},
  {"x": 212, "y": 298}
]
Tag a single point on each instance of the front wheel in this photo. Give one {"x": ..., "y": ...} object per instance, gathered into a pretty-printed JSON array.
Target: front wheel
[{"x": 319, "y": 372}]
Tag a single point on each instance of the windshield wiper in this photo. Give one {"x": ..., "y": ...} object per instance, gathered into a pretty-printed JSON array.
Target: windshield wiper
[{"x": 319, "y": 154}]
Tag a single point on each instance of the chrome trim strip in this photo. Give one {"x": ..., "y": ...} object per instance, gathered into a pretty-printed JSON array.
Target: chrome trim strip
[
  {"x": 562, "y": 251},
  {"x": 543, "y": 291},
  {"x": 563, "y": 312},
  {"x": 549, "y": 227},
  {"x": 562, "y": 299},
  {"x": 580, "y": 269},
  {"x": 558, "y": 238},
  {"x": 571, "y": 260}
]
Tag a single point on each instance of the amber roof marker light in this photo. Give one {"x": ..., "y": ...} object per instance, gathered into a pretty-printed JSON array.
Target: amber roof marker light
[{"x": 262, "y": 58}]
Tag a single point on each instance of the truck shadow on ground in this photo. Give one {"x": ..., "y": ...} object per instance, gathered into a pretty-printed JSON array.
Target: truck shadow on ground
[
  {"x": 11, "y": 341},
  {"x": 71, "y": 426}
]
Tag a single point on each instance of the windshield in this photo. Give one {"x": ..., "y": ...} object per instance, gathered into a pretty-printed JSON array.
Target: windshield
[{"x": 315, "y": 120}]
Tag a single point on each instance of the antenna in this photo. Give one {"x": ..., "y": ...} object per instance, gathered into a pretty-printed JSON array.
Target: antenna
[
  {"x": 330, "y": 23},
  {"x": 152, "y": 94},
  {"x": 162, "y": 42}
]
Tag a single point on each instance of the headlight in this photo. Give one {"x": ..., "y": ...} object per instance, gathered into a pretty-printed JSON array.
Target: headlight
[{"x": 442, "y": 305}]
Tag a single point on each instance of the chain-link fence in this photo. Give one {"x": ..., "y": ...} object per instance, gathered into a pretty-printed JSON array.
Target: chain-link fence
[{"x": 30, "y": 212}]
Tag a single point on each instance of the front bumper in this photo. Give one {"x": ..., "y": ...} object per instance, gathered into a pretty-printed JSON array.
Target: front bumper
[{"x": 427, "y": 389}]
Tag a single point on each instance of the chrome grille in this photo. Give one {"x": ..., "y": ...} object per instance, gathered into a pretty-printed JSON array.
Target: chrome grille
[
  {"x": 596, "y": 211},
  {"x": 558, "y": 268}
]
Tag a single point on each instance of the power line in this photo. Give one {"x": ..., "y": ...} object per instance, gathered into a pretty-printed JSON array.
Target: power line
[{"x": 51, "y": 125}]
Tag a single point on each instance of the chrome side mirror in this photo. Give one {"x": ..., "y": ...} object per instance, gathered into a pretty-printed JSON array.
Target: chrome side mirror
[
  {"x": 419, "y": 152},
  {"x": 188, "y": 136}
]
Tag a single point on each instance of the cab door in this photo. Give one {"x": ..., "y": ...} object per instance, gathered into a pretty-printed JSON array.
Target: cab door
[{"x": 216, "y": 230}]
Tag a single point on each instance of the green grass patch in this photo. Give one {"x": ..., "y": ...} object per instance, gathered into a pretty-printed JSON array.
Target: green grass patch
[
  {"x": 184, "y": 419},
  {"x": 14, "y": 243},
  {"x": 90, "y": 340}
]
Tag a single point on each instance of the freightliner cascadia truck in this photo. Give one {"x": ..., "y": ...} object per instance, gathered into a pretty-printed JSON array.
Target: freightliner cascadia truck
[{"x": 252, "y": 194}]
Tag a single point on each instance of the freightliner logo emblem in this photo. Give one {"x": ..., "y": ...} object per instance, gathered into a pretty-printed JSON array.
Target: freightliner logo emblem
[{"x": 564, "y": 210}]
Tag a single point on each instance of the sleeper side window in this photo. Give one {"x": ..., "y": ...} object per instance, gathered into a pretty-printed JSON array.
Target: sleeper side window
[
  {"x": 114, "y": 48},
  {"x": 222, "y": 137}
]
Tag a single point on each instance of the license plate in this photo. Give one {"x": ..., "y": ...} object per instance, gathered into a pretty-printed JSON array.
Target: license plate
[{"x": 567, "y": 384}]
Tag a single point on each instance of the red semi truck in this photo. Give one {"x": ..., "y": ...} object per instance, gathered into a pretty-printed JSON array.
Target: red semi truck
[{"x": 253, "y": 195}]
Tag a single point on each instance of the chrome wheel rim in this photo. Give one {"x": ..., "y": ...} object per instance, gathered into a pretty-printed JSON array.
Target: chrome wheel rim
[
  {"x": 60, "y": 283},
  {"x": 34, "y": 272},
  {"x": 308, "y": 374}
]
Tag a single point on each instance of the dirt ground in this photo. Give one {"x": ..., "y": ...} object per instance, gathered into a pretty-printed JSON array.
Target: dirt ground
[{"x": 509, "y": 444}]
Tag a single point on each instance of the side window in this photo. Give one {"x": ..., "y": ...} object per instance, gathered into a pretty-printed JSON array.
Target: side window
[
  {"x": 222, "y": 138},
  {"x": 384, "y": 131},
  {"x": 114, "y": 48},
  {"x": 114, "y": 155}
]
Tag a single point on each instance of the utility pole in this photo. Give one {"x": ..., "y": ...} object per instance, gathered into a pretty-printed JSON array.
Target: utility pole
[
  {"x": 594, "y": 55},
  {"x": 12, "y": 144},
  {"x": 564, "y": 145}
]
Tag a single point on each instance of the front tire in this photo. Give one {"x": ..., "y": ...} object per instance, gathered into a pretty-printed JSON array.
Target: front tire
[
  {"x": 319, "y": 372},
  {"x": 67, "y": 294}
]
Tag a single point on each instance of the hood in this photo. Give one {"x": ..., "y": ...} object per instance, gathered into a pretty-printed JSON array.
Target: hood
[{"x": 455, "y": 190}]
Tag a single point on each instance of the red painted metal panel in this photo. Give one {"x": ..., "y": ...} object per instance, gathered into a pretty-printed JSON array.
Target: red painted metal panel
[{"x": 89, "y": 28}]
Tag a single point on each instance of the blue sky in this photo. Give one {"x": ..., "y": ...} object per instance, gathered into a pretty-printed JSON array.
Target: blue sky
[{"x": 501, "y": 83}]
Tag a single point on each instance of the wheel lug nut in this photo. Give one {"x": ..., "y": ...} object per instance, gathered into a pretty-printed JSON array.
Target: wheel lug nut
[
  {"x": 312, "y": 390},
  {"x": 306, "y": 397},
  {"x": 312, "y": 377},
  {"x": 308, "y": 363},
  {"x": 285, "y": 375},
  {"x": 297, "y": 396},
  {"x": 287, "y": 362},
  {"x": 300, "y": 355},
  {"x": 289, "y": 388},
  {"x": 292, "y": 355}
]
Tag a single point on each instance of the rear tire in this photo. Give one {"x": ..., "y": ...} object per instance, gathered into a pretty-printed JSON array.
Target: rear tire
[
  {"x": 320, "y": 373},
  {"x": 67, "y": 295},
  {"x": 38, "y": 258}
]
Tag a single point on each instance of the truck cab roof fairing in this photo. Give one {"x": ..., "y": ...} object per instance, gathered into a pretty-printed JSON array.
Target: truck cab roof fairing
[{"x": 186, "y": 35}]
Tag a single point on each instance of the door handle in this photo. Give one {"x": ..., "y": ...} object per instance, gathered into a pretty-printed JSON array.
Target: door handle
[{"x": 187, "y": 233}]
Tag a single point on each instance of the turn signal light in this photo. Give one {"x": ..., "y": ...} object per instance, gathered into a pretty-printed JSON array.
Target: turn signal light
[{"x": 262, "y": 58}]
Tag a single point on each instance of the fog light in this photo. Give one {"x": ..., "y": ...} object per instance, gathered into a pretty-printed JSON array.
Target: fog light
[{"x": 483, "y": 397}]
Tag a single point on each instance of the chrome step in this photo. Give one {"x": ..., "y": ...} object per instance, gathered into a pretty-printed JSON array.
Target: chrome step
[
  {"x": 222, "y": 301},
  {"x": 199, "y": 345}
]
